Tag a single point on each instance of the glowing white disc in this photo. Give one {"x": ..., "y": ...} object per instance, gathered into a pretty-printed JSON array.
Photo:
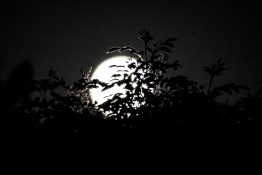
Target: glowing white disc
[{"x": 104, "y": 73}]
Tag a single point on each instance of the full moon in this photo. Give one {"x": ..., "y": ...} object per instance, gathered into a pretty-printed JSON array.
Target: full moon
[{"x": 105, "y": 71}]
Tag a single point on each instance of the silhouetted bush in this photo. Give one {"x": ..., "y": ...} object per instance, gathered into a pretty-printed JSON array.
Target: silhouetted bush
[{"x": 160, "y": 104}]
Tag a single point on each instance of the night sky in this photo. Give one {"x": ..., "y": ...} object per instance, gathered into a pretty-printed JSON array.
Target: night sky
[{"x": 68, "y": 35}]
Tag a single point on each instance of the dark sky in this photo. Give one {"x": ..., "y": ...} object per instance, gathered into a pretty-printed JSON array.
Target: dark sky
[{"x": 69, "y": 35}]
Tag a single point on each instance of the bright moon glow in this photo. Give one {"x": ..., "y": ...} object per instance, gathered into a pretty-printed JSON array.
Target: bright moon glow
[{"x": 104, "y": 73}]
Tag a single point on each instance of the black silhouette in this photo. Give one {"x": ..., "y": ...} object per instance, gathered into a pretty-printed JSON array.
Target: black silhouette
[{"x": 170, "y": 107}]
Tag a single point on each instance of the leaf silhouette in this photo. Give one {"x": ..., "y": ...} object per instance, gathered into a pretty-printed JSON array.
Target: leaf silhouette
[
  {"x": 126, "y": 48},
  {"x": 132, "y": 65},
  {"x": 108, "y": 87},
  {"x": 116, "y": 66},
  {"x": 169, "y": 44},
  {"x": 116, "y": 75},
  {"x": 114, "y": 49},
  {"x": 166, "y": 49}
]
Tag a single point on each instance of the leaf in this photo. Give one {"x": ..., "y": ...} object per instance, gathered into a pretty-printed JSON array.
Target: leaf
[
  {"x": 154, "y": 57},
  {"x": 165, "y": 49},
  {"x": 215, "y": 69},
  {"x": 82, "y": 71},
  {"x": 208, "y": 70},
  {"x": 129, "y": 87},
  {"x": 149, "y": 49},
  {"x": 125, "y": 48},
  {"x": 116, "y": 75},
  {"x": 169, "y": 44},
  {"x": 92, "y": 86},
  {"x": 122, "y": 70},
  {"x": 116, "y": 66},
  {"x": 114, "y": 49},
  {"x": 120, "y": 82},
  {"x": 132, "y": 65},
  {"x": 175, "y": 65},
  {"x": 219, "y": 70},
  {"x": 234, "y": 87},
  {"x": 145, "y": 35},
  {"x": 215, "y": 93},
  {"x": 108, "y": 87},
  {"x": 139, "y": 53}
]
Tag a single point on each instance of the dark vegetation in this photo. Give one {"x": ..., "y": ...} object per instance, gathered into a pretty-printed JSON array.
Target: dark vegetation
[{"x": 171, "y": 107}]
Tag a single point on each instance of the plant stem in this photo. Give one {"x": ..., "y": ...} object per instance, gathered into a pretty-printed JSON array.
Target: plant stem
[
  {"x": 210, "y": 83},
  {"x": 145, "y": 51}
]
